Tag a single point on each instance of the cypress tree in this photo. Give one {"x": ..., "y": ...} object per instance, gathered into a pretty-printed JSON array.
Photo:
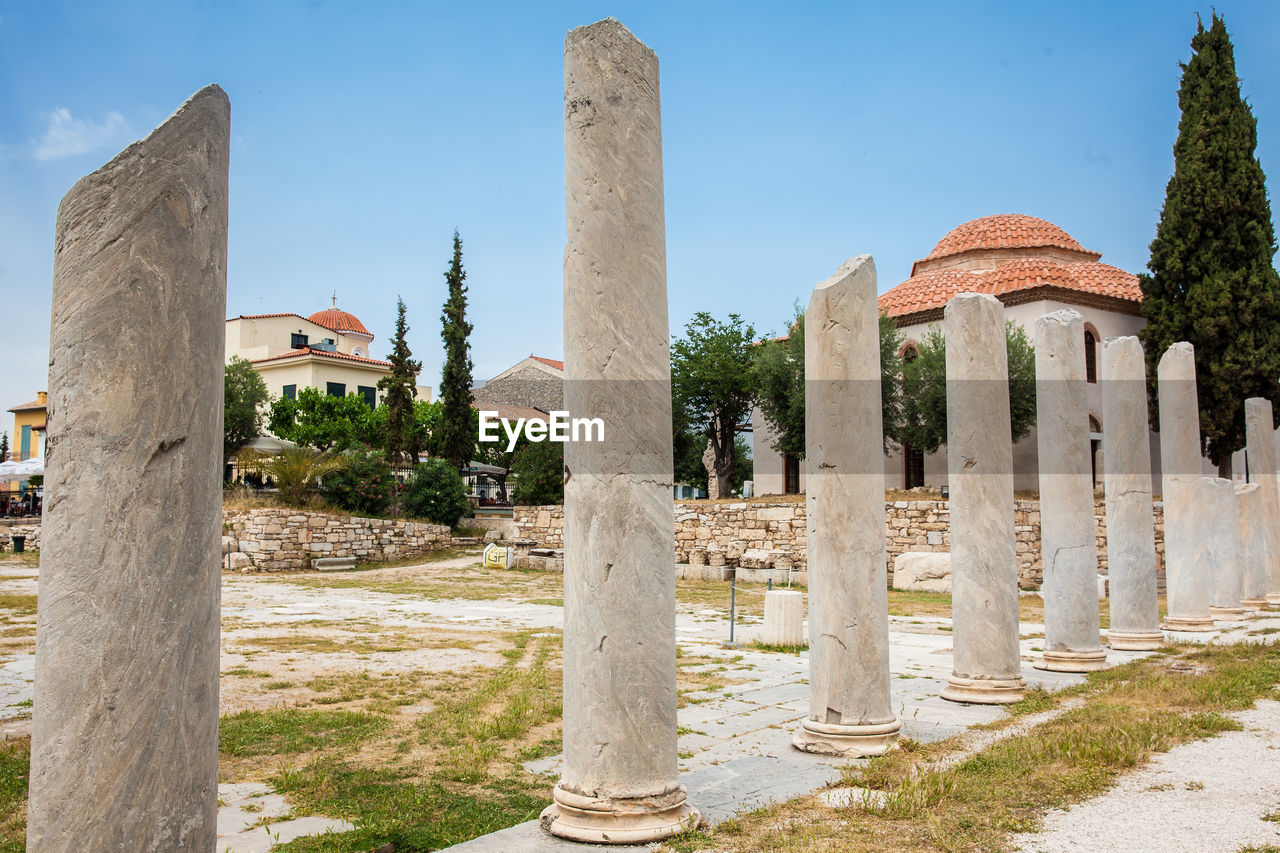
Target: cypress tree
[
  {"x": 1212, "y": 282},
  {"x": 455, "y": 382},
  {"x": 399, "y": 389}
]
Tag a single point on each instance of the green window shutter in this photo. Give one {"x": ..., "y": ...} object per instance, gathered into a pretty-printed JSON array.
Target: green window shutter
[
  {"x": 24, "y": 451},
  {"x": 336, "y": 389},
  {"x": 370, "y": 395},
  {"x": 290, "y": 391}
]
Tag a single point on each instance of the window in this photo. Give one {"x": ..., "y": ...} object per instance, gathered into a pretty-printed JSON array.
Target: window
[
  {"x": 790, "y": 475},
  {"x": 24, "y": 449},
  {"x": 370, "y": 395},
  {"x": 1090, "y": 356},
  {"x": 912, "y": 467},
  {"x": 298, "y": 340},
  {"x": 290, "y": 392},
  {"x": 1095, "y": 443},
  {"x": 335, "y": 389}
]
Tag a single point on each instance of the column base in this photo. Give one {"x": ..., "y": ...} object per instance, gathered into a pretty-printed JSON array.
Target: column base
[
  {"x": 1135, "y": 641},
  {"x": 1254, "y": 603},
  {"x": 857, "y": 741},
  {"x": 602, "y": 820},
  {"x": 1273, "y": 599},
  {"x": 1090, "y": 661},
  {"x": 1187, "y": 623},
  {"x": 984, "y": 691},
  {"x": 1226, "y": 614}
]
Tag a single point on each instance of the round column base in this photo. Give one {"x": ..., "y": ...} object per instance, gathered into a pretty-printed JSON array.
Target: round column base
[
  {"x": 602, "y": 820},
  {"x": 1273, "y": 599},
  {"x": 1226, "y": 614},
  {"x": 857, "y": 741},
  {"x": 1254, "y": 603},
  {"x": 1135, "y": 641},
  {"x": 984, "y": 691},
  {"x": 1187, "y": 623},
  {"x": 1090, "y": 661}
]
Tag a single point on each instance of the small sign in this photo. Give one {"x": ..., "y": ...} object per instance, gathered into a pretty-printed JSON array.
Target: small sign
[{"x": 498, "y": 556}]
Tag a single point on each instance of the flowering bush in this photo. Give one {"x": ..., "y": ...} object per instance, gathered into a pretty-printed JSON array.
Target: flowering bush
[
  {"x": 436, "y": 492},
  {"x": 364, "y": 486}
]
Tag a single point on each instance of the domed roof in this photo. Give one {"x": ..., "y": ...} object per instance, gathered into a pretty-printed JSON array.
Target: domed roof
[
  {"x": 339, "y": 321},
  {"x": 1004, "y": 231}
]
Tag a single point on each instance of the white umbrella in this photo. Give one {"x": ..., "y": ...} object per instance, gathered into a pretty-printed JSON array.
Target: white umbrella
[{"x": 10, "y": 471}]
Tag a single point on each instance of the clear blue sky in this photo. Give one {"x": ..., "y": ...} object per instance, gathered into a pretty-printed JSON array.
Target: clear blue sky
[{"x": 795, "y": 135}]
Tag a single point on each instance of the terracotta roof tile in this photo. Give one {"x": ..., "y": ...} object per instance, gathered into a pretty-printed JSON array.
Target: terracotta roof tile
[
  {"x": 1003, "y": 231},
  {"x": 30, "y": 407},
  {"x": 550, "y": 362},
  {"x": 326, "y": 354},
  {"x": 927, "y": 290},
  {"x": 339, "y": 321}
]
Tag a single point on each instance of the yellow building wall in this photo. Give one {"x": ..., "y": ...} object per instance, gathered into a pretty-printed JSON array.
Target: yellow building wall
[
  {"x": 30, "y": 418},
  {"x": 316, "y": 372}
]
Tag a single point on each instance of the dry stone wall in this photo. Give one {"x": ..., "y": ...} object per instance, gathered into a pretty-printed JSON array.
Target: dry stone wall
[
  {"x": 274, "y": 540},
  {"x": 763, "y": 533},
  {"x": 30, "y": 531}
]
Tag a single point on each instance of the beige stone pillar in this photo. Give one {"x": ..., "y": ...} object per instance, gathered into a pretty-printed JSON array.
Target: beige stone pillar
[
  {"x": 1253, "y": 546},
  {"x": 849, "y": 707},
  {"x": 984, "y": 569},
  {"x": 1131, "y": 541},
  {"x": 783, "y": 618},
  {"x": 1223, "y": 532},
  {"x": 620, "y": 782},
  {"x": 124, "y": 748},
  {"x": 1068, "y": 543},
  {"x": 1261, "y": 454}
]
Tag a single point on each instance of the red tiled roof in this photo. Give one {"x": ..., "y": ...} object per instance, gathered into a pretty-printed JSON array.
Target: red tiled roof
[
  {"x": 934, "y": 288},
  {"x": 265, "y": 316},
  {"x": 1004, "y": 231},
  {"x": 29, "y": 407},
  {"x": 550, "y": 362},
  {"x": 339, "y": 321},
  {"x": 310, "y": 351}
]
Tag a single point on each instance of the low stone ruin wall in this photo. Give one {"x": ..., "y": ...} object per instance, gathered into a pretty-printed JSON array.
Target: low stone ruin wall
[
  {"x": 30, "y": 531},
  {"x": 274, "y": 540},
  {"x": 764, "y": 534}
]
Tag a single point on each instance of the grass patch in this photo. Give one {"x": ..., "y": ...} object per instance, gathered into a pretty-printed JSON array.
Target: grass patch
[
  {"x": 714, "y": 595},
  {"x": 291, "y": 730},
  {"x": 1126, "y": 714},
  {"x": 15, "y": 767},
  {"x": 22, "y": 604},
  {"x": 780, "y": 649}
]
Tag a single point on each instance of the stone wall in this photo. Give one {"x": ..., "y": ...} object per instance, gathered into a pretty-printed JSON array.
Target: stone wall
[
  {"x": 29, "y": 530},
  {"x": 274, "y": 540},
  {"x": 764, "y": 532}
]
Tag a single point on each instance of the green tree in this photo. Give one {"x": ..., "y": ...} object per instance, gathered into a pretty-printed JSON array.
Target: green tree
[
  {"x": 455, "y": 380},
  {"x": 243, "y": 395},
  {"x": 688, "y": 445},
  {"x": 364, "y": 485},
  {"x": 1212, "y": 282},
  {"x": 4, "y": 446},
  {"x": 923, "y": 423},
  {"x": 399, "y": 388},
  {"x": 538, "y": 468},
  {"x": 296, "y": 472},
  {"x": 436, "y": 492},
  {"x": 713, "y": 383},
  {"x": 322, "y": 421},
  {"x": 779, "y": 366},
  {"x": 743, "y": 465}
]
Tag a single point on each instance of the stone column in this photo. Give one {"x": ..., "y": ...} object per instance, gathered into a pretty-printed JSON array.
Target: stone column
[
  {"x": 620, "y": 782},
  {"x": 1261, "y": 454},
  {"x": 1253, "y": 546},
  {"x": 1068, "y": 542},
  {"x": 849, "y": 708},
  {"x": 1131, "y": 541},
  {"x": 783, "y": 618},
  {"x": 1187, "y": 579},
  {"x": 1222, "y": 526},
  {"x": 124, "y": 747},
  {"x": 984, "y": 569}
]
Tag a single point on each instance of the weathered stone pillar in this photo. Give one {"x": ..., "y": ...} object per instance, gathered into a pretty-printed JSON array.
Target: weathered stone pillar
[
  {"x": 1261, "y": 454},
  {"x": 124, "y": 749},
  {"x": 984, "y": 569},
  {"x": 620, "y": 782},
  {"x": 1068, "y": 543},
  {"x": 849, "y": 707},
  {"x": 1186, "y": 565},
  {"x": 1253, "y": 546},
  {"x": 1131, "y": 541},
  {"x": 783, "y": 618},
  {"x": 1222, "y": 526}
]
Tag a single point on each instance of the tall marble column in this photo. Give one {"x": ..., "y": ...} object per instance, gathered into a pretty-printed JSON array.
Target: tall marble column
[
  {"x": 620, "y": 782},
  {"x": 1187, "y": 578},
  {"x": 1068, "y": 542},
  {"x": 984, "y": 570},
  {"x": 1253, "y": 546},
  {"x": 849, "y": 707},
  {"x": 1222, "y": 528},
  {"x": 1261, "y": 453},
  {"x": 1131, "y": 541},
  {"x": 124, "y": 747}
]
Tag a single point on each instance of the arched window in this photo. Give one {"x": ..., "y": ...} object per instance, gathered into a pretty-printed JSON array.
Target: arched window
[
  {"x": 1095, "y": 442},
  {"x": 358, "y": 351},
  {"x": 1090, "y": 356}
]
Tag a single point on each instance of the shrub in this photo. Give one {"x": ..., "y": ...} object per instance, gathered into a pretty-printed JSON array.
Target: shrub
[
  {"x": 364, "y": 486},
  {"x": 436, "y": 492},
  {"x": 296, "y": 472},
  {"x": 538, "y": 468}
]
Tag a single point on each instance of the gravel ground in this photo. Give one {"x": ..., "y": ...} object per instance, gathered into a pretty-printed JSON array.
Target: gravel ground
[{"x": 1202, "y": 797}]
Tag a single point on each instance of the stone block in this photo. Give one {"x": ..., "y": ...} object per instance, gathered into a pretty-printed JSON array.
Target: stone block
[
  {"x": 333, "y": 564},
  {"x": 238, "y": 562},
  {"x": 929, "y": 571},
  {"x": 783, "y": 618}
]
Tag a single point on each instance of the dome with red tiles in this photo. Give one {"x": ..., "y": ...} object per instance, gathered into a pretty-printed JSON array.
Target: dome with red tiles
[
  {"x": 339, "y": 321},
  {"x": 1004, "y": 231}
]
